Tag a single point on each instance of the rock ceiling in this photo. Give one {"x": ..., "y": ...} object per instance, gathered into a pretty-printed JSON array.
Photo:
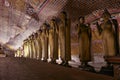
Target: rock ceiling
[{"x": 20, "y": 18}]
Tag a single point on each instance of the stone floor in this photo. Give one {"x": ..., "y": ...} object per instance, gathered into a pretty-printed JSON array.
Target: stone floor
[{"x": 28, "y": 69}]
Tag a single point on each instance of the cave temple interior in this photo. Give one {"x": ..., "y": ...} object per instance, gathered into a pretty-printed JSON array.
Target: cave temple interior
[{"x": 29, "y": 50}]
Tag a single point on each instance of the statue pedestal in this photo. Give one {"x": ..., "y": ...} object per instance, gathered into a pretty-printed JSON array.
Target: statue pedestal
[
  {"x": 49, "y": 60},
  {"x": 98, "y": 62},
  {"x": 97, "y": 66},
  {"x": 75, "y": 62},
  {"x": 59, "y": 61}
]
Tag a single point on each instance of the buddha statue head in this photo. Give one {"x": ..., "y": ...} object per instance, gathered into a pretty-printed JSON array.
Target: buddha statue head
[
  {"x": 44, "y": 26},
  {"x": 52, "y": 22},
  {"x": 106, "y": 15},
  {"x": 81, "y": 20},
  {"x": 63, "y": 15}
]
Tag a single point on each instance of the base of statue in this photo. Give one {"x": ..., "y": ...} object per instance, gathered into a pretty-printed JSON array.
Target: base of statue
[
  {"x": 75, "y": 61},
  {"x": 49, "y": 60},
  {"x": 97, "y": 66},
  {"x": 74, "y": 64},
  {"x": 59, "y": 61},
  {"x": 98, "y": 61}
]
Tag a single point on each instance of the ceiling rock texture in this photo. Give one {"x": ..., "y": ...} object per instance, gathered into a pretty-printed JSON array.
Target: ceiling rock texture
[{"x": 20, "y": 18}]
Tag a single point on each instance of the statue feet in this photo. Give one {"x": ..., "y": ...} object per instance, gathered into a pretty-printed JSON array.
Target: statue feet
[{"x": 74, "y": 63}]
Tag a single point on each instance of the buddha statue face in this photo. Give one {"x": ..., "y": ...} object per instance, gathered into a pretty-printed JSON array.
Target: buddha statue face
[
  {"x": 44, "y": 26},
  {"x": 63, "y": 15},
  {"x": 52, "y": 22},
  {"x": 81, "y": 20},
  {"x": 106, "y": 15}
]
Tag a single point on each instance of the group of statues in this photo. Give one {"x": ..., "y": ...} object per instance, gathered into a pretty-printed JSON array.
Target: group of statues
[
  {"x": 52, "y": 41},
  {"x": 109, "y": 31}
]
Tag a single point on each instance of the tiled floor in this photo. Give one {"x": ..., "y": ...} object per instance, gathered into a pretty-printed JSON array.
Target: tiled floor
[{"x": 28, "y": 69}]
